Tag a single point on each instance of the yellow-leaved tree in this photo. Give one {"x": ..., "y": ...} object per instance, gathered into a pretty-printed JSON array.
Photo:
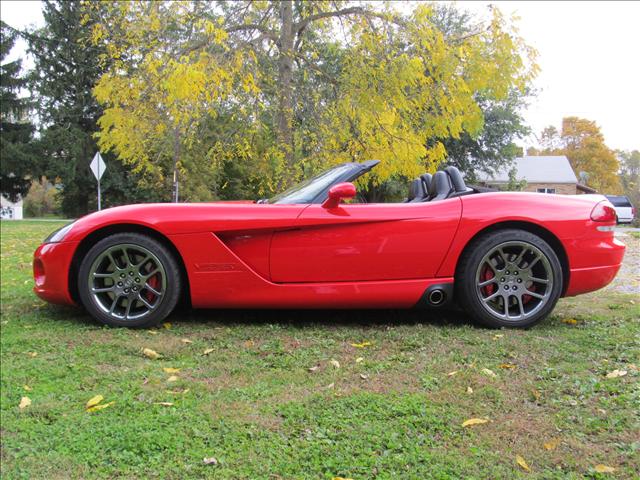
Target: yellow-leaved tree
[
  {"x": 271, "y": 91},
  {"x": 405, "y": 87},
  {"x": 170, "y": 72}
]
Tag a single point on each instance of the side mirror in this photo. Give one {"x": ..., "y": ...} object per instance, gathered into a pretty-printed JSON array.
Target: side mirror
[{"x": 337, "y": 193}]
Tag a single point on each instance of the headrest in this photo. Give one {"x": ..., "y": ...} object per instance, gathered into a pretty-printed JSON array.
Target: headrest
[
  {"x": 426, "y": 179},
  {"x": 456, "y": 179},
  {"x": 440, "y": 185}
]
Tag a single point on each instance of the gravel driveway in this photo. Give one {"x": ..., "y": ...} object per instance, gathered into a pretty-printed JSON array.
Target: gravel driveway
[{"x": 628, "y": 278}]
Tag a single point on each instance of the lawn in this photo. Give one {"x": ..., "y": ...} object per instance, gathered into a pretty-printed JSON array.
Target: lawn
[{"x": 283, "y": 395}]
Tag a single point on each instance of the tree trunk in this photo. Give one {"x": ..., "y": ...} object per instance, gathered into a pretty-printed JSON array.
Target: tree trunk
[
  {"x": 176, "y": 155},
  {"x": 285, "y": 92}
]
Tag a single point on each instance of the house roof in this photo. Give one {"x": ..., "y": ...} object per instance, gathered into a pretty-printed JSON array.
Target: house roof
[{"x": 538, "y": 169}]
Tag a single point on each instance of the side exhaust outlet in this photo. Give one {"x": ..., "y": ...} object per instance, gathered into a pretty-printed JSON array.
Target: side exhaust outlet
[{"x": 437, "y": 297}]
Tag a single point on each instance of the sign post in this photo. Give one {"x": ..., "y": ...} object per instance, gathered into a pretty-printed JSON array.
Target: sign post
[{"x": 98, "y": 167}]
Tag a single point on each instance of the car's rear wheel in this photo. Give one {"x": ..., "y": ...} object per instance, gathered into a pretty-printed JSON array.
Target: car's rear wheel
[
  {"x": 129, "y": 280},
  {"x": 509, "y": 278}
]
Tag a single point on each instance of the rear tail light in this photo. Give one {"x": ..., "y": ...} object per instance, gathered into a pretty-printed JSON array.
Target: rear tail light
[
  {"x": 633, "y": 211},
  {"x": 603, "y": 212}
]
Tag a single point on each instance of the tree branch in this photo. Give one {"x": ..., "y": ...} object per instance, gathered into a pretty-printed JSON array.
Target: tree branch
[
  {"x": 302, "y": 24},
  {"x": 259, "y": 28},
  {"x": 314, "y": 67}
]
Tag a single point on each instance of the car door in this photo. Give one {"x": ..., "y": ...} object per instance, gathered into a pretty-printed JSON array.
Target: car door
[{"x": 365, "y": 242}]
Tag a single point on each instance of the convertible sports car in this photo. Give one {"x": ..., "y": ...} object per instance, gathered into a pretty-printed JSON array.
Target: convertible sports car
[{"x": 505, "y": 257}]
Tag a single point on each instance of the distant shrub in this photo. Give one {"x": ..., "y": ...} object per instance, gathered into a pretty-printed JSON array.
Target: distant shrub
[{"x": 42, "y": 200}]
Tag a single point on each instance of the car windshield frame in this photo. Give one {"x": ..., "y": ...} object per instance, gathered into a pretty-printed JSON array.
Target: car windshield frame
[{"x": 315, "y": 188}]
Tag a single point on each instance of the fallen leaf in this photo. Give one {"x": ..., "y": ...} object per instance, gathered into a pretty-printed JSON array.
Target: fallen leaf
[
  {"x": 335, "y": 363},
  {"x": 207, "y": 351},
  {"x": 488, "y": 372},
  {"x": 178, "y": 392},
  {"x": 523, "y": 464},
  {"x": 535, "y": 394},
  {"x": 153, "y": 332},
  {"x": 27, "y": 388},
  {"x": 497, "y": 336},
  {"x": 248, "y": 344},
  {"x": 363, "y": 376},
  {"x": 172, "y": 379},
  {"x": 616, "y": 374},
  {"x": 474, "y": 421},
  {"x": 341, "y": 478},
  {"x": 152, "y": 354},
  {"x": 100, "y": 407},
  {"x": 186, "y": 340},
  {"x": 24, "y": 403},
  {"x": 600, "y": 468},
  {"x": 330, "y": 386},
  {"x": 164, "y": 404},
  {"x": 507, "y": 365},
  {"x": 210, "y": 461},
  {"x": 171, "y": 370},
  {"x": 313, "y": 369},
  {"x": 32, "y": 354},
  {"x": 361, "y": 345},
  {"x": 166, "y": 325},
  {"x": 93, "y": 401},
  {"x": 551, "y": 444},
  {"x": 359, "y": 359},
  {"x": 570, "y": 321},
  {"x": 451, "y": 374},
  {"x": 469, "y": 390}
]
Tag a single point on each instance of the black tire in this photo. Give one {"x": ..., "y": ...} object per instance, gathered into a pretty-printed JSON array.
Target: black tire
[
  {"x": 469, "y": 279},
  {"x": 126, "y": 304}
]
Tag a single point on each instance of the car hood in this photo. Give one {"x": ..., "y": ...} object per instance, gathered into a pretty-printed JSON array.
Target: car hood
[{"x": 180, "y": 218}]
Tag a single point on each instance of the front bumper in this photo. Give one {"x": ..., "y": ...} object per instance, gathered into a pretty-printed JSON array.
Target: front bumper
[{"x": 51, "y": 265}]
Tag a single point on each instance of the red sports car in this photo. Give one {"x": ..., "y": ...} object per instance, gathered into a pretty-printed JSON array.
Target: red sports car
[{"x": 504, "y": 257}]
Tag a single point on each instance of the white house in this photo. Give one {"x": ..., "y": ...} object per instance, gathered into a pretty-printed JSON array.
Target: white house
[{"x": 10, "y": 210}]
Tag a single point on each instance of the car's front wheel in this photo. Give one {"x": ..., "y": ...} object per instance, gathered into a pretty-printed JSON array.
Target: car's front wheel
[
  {"x": 509, "y": 278},
  {"x": 129, "y": 280}
]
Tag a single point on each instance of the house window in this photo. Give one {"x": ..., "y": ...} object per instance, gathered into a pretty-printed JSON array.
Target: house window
[{"x": 546, "y": 190}]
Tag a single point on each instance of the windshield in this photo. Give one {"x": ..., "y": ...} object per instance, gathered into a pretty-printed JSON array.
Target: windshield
[{"x": 308, "y": 190}]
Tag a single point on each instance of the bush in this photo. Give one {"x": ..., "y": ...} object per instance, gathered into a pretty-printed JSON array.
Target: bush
[{"x": 42, "y": 200}]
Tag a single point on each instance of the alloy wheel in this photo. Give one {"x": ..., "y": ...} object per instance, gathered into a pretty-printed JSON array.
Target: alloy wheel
[
  {"x": 127, "y": 281},
  {"x": 514, "y": 280}
]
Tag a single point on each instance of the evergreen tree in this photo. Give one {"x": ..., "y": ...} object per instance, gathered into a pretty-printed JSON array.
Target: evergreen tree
[
  {"x": 67, "y": 67},
  {"x": 16, "y": 132}
]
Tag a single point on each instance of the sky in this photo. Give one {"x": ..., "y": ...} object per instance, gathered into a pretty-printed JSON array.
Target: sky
[{"x": 589, "y": 55}]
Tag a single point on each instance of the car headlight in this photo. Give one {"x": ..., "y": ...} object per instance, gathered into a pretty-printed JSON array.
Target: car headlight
[{"x": 58, "y": 235}]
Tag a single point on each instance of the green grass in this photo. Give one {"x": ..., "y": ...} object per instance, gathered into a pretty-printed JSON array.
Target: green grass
[{"x": 253, "y": 404}]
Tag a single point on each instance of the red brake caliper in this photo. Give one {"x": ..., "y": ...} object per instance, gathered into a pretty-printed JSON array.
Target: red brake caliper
[
  {"x": 154, "y": 283},
  {"x": 487, "y": 274},
  {"x": 527, "y": 298}
]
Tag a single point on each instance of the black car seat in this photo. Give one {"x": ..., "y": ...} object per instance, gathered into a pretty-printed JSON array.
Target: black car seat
[
  {"x": 426, "y": 180},
  {"x": 417, "y": 192},
  {"x": 459, "y": 187},
  {"x": 440, "y": 186}
]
